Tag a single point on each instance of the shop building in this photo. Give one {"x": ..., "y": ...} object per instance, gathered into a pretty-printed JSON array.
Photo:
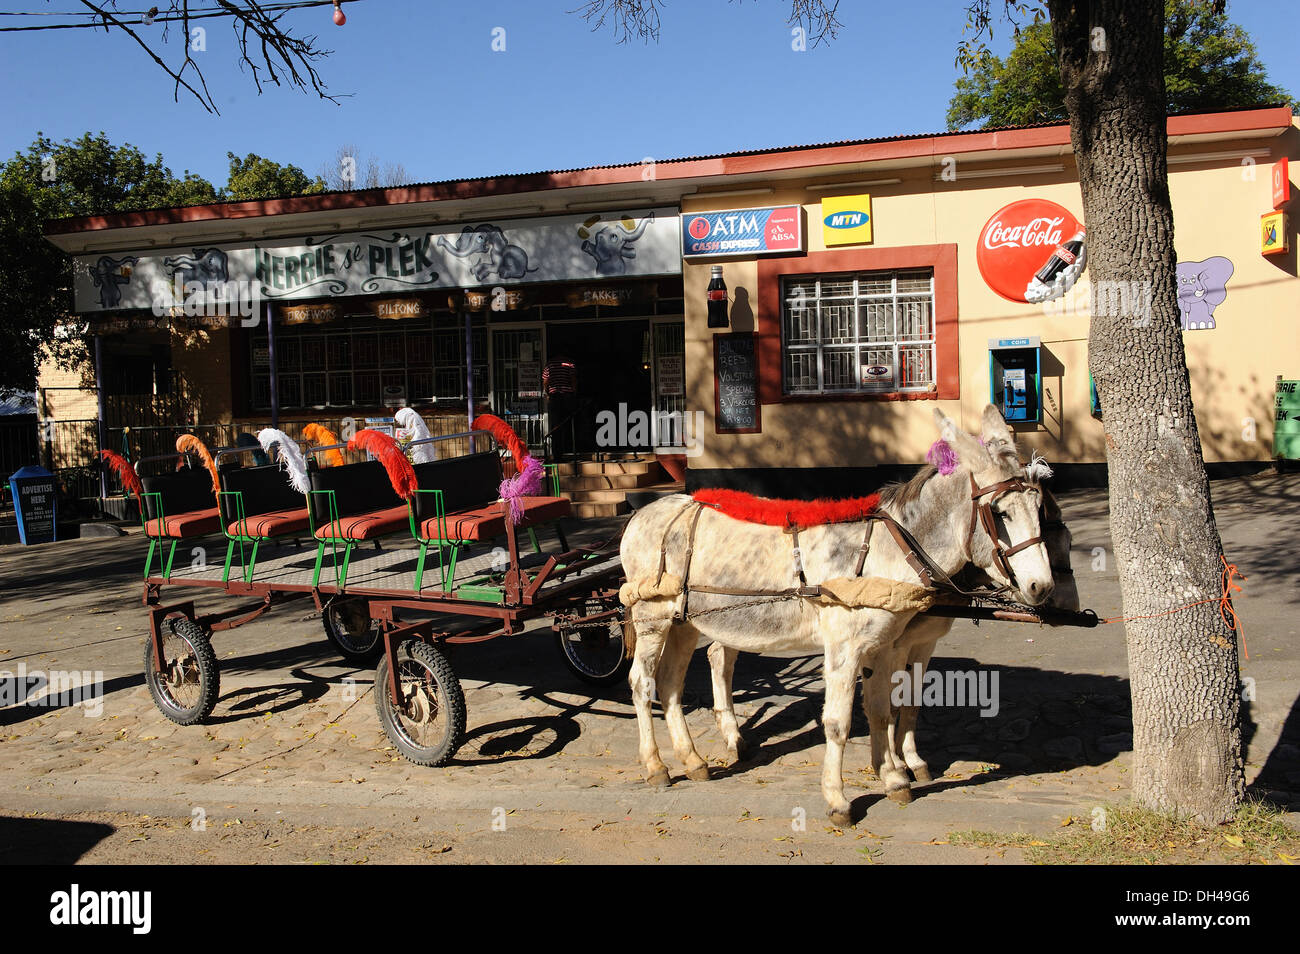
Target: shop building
[{"x": 866, "y": 284}]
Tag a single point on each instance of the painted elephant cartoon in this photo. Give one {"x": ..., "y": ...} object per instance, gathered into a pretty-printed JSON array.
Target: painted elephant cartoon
[
  {"x": 207, "y": 266},
  {"x": 107, "y": 274},
  {"x": 1202, "y": 287},
  {"x": 611, "y": 245},
  {"x": 497, "y": 256}
]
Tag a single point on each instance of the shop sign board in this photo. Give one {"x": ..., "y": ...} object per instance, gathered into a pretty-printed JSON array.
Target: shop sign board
[
  {"x": 735, "y": 380},
  {"x": 529, "y": 379},
  {"x": 670, "y": 378},
  {"x": 846, "y": 220},
  {"x": 768, "y": 231},
  {"x": 1273, "y": 236},
  {"x": 1020, "y": 241},
  {"x": 1281, "y": 182},
  {"x": 1286, "y": 423},
  {"x": 35, "y": 501},
  {"x": 621, "y": 243}
]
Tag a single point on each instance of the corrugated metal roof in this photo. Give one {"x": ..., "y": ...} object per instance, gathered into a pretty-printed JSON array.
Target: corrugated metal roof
[{"x": 21, "y": 402}]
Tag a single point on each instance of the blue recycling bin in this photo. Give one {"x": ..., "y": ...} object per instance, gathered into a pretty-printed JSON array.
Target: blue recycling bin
[{"x": 36, "y": 497}]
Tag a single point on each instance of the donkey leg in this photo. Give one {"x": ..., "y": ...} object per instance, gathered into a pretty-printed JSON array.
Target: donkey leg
[
  {"x": 677, "y": 654},
  {"x": 876, "y": 700},
  {"x": 840, "y": 673},
  {"x": 650, "y": 637},
  {"x": 722, "y": 667},
  {"x": 919, "y": 655}
]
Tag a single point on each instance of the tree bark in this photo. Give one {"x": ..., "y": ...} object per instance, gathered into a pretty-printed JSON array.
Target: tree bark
[{"x": 1183, "y": 666}]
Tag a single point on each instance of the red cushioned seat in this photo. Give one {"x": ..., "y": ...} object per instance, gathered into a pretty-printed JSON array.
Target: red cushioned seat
[
  {"x": 277, "y": 523},
  {"x": 366, "y": 526},
  {"x": 193, "y": 524},
  {"x": 483, "y": 523}
]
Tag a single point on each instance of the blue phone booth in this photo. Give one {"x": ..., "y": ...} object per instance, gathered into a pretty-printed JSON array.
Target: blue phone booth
[{"x": 1016, "y": 379}]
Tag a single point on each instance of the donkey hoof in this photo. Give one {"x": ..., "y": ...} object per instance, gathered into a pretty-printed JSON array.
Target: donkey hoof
[
  {"x": 740, "y": 750},
  {"x": 900, "y": 795},
  {"x": 922, "y": 774},
  {"x": 841, "y": 818},
  {"x": 658, "y": 779},
  {"x": 700, "y": 773}
]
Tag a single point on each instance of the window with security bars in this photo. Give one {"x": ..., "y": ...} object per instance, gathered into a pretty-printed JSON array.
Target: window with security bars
[
  {"x": 345, "y": 367},
  {"x": 858, "y": 333}
]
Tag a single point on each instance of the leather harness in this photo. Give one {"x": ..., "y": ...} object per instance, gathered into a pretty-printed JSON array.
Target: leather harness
[{"x": 929, "y": 574}]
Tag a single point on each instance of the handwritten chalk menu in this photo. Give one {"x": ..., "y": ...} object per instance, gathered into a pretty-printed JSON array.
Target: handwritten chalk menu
[
  {"x": 735, "y": 382},
  {"x": 35, "y": 494}
]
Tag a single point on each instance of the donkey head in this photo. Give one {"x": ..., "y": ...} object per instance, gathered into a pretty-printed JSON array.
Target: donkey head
[{"x": 1005, "y": 500}]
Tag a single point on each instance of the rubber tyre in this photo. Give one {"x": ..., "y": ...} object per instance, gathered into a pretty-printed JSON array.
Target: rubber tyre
[
  {"x": 339, "y": 619},
  {"x": 201, "y": 664},
  {"x": 421, "y": 665},
  {"x": 595, "y": 670}
]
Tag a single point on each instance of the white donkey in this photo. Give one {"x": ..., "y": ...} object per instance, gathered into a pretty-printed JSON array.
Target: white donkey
[
  {"x": 893, "y": 729},
  {"x": 695, "y": 575}
]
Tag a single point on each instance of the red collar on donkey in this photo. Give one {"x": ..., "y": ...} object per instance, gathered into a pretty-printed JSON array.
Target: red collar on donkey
[{"x": 787, "y": 513}]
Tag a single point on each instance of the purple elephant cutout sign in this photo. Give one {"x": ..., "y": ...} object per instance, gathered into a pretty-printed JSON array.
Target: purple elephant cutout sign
[{"x": 1202, "y": 287}]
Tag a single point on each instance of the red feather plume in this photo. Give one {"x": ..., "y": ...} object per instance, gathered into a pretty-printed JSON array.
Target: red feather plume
[
  {"x": 505, "y": 436},
  {"x": 125, "y": 473},
  {"x": 387, "y": 451},
  {"x": 787, "y": 513}
]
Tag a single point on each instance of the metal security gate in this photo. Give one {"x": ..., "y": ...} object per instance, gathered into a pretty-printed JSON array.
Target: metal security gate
[
  {"x": 669, "y": 382},
  {"x": 517, "y": 359}
]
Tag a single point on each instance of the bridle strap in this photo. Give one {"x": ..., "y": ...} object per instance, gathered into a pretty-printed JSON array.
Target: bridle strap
[{"x": 984, "y": 509}]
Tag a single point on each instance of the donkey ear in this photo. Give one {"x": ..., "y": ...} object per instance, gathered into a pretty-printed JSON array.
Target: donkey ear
[
  {"x": 967, "y": 448},
  {"x": 994, "y": 428},
  {"x": 947, "y": 429}
]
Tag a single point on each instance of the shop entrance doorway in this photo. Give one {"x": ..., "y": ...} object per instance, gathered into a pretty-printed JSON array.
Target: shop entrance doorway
[{"x": 612, "y": 360}]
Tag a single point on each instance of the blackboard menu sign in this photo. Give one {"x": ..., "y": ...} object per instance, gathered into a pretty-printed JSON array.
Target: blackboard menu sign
[
  {"x": 735, "y": 384},
  {"x": 35, "y": 495}
]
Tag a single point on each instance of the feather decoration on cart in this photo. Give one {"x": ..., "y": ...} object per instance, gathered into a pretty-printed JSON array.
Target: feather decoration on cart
[
  {"x": 190, "y": 444},
  {"x": 388, "y": 452},
  {"x": 529, "y": 472},
  {"x": 291, "y": 458},
  {"x": 125, "y": 473},
  {"x": 322, "y": 436},
  {"x": 409, "y": 420}
]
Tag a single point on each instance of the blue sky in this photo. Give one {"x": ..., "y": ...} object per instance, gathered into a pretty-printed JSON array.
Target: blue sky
[{"x": 426, "y": 89}]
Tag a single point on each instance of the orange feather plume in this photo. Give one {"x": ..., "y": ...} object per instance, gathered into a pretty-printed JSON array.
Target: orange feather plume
[
  {"x": 322, "y": 436},
  {"x": 125, "y": 473},
  {"x": 505, "y": 436},
  {"x": 189, "y": 444},
  {"x": 387, "y": 451}
]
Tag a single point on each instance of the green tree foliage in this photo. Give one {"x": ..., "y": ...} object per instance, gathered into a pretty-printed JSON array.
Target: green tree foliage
[
  {"x": 1210, "y": 63},
  {"x": 254, "y": 177}
]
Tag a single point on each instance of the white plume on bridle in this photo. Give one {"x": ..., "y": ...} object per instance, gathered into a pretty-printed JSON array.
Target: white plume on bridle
[
  {"x": 291, "y": 458},
  {"x": 409, "y": 420},
  {"x": 1037, "y": 470}
]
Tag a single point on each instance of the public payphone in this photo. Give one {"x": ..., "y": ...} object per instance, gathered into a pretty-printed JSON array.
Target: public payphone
[{"x": 1015, "y": 379}]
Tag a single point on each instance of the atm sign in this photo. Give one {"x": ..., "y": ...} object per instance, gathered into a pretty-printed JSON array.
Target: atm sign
[{"x": 846, "y": 220}]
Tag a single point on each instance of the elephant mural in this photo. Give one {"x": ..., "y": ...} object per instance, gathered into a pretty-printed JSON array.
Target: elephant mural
[
  {"x": 497, "y": 256},
  {"x": 611, "y": 245},
  {"x": 207, "y": 266},
  {"x": 107, "y": 274},
  {"x": 1202, "y": 287}
]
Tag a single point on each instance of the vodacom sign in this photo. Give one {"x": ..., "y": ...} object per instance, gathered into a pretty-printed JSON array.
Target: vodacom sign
[{"x": 1025, "y": 241}]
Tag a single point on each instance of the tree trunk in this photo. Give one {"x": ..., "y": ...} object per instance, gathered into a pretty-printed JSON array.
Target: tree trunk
[{"x": 1183, "y": 668}]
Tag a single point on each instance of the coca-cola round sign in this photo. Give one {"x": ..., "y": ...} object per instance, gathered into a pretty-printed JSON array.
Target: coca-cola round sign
[{"x": 1018, "y": 242}]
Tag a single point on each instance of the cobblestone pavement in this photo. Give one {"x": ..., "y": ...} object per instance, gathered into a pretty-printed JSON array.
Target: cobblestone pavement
[{"x": 293, "y": 765}]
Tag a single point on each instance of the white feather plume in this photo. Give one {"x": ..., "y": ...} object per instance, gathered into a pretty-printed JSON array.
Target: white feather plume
[
  {"x": 409, "y": 420},
  {"x": 1038, "y": 471},
  {"x": 290, "y": 457}
]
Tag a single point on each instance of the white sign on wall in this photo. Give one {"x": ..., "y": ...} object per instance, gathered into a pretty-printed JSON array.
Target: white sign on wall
[{"x": 616, "y": 244}]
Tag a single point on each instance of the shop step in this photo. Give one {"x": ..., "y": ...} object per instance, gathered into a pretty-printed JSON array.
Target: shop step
[
  {"x": 609, "y": 481},
  {"x": 590, "y": 510}
]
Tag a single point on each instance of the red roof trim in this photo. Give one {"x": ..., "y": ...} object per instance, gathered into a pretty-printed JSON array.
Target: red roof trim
[{"x": 902, "y": 147}]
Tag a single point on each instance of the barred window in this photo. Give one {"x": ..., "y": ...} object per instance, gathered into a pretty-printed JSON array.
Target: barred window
[{"x": 858, "y": 333}]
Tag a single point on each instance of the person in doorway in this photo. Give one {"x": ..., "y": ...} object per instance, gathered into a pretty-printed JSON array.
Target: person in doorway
[{"x": 560, "y": 383}]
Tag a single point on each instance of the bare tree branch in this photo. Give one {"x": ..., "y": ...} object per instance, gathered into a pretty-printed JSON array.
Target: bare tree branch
[{"x": 640, "y": 18}]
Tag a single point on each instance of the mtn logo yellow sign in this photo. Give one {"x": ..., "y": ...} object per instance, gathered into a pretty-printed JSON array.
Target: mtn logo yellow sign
[{"x": 846, "y": 220}]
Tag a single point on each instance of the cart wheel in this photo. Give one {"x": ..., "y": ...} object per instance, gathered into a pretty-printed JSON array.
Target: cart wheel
[
  {"x": 595, "y": 654},
  {"x": 186, "y": 689},
  {"x": 354, "y": 634},
  {"x": 429, "y": 726}
]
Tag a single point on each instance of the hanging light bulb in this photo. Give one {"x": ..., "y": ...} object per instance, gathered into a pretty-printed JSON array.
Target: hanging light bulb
[{"x": 340, "y": 17}]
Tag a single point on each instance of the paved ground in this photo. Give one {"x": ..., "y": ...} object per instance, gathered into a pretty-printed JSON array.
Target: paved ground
[{"x": 293, "y": 766}]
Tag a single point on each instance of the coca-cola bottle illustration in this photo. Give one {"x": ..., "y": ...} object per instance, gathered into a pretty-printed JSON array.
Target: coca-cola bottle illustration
[
  {"x": 717, "y": 298},
  {"x": 1064, "y": 256}
]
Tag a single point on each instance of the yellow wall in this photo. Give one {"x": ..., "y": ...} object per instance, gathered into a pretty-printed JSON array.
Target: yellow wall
[{"x": 1217, "y": 204}]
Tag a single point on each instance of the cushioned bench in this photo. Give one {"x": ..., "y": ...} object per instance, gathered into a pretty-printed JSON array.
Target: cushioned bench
[
  {"x": 348, "y": 505},
  {"x": 258, "y": 505},
  {"x": 483, "y": 523},
  {"x": 177, "y": 506}
]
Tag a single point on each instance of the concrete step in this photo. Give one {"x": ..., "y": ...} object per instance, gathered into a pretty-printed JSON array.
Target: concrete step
[
  {"x": 587, "y": 510},
  {"x": 589, "y": 467},
  {"x": 609, "y": 481}
]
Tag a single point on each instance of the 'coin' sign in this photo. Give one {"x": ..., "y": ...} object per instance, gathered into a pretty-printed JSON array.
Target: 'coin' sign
[{"x": 1019, "y": 242}]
